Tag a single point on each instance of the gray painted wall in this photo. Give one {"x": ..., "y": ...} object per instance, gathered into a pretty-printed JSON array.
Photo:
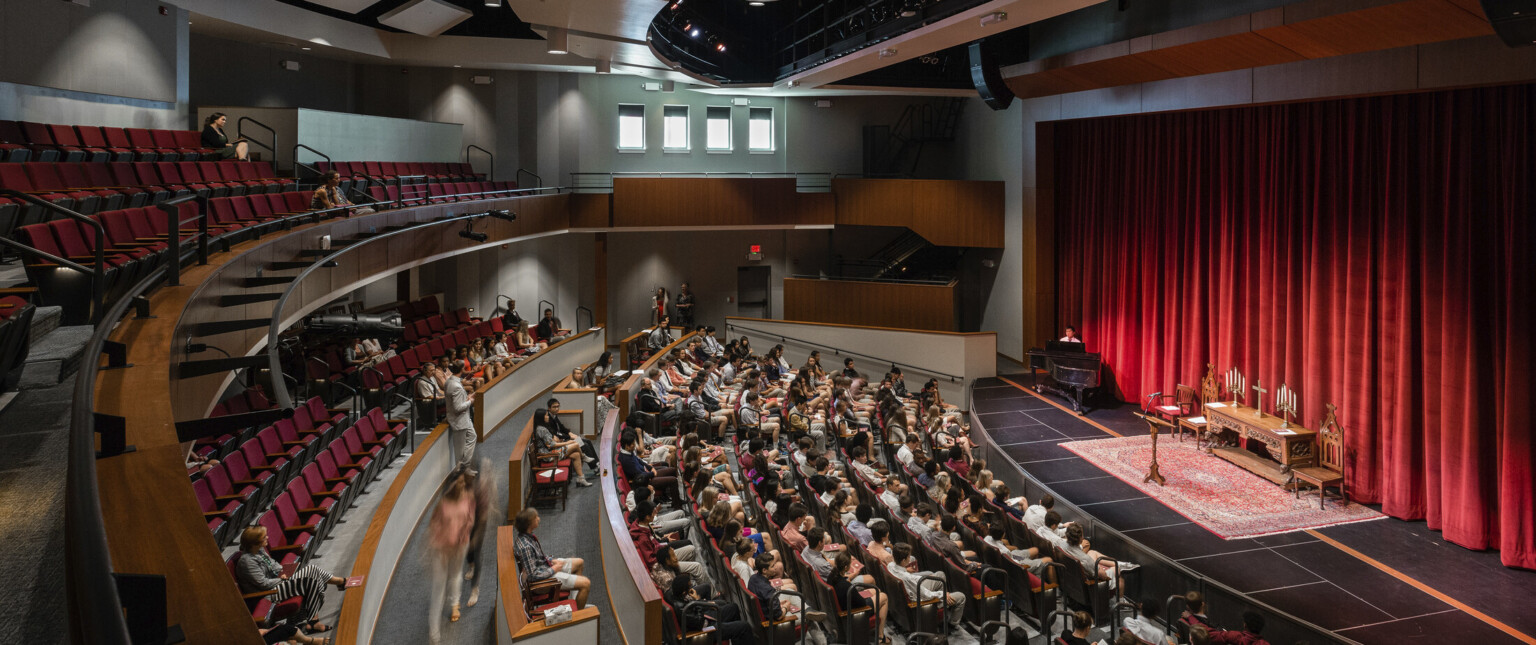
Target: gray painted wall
[
  {"x": 229, "y": 72},
  {"x": 116, "y": 62}
]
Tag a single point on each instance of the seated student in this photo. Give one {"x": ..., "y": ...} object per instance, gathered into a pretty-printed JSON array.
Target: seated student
[
  {"x": 1146, "y": 626},
  {"x": 864, "y": 468},
  {"x": 894, "y": 489},
  {"x": 256, "y": 570},
  {"x": 664, "y": 523},
  {"x": 531, "y": 558},
  {"x": 562, "y": 433},
  {"x": 775, "y": 607},
  {"x": 1082, "y": 624},
  {"x": 712, "y": 495},
  {"x": 958, "y": 463},
  {"x": 545, "y": 442},
  {"x": 1253, "y": 625},
  {"x": 549, "y": 327},
  {"x": 842, "y": 577},
  {"x": 637, "y": 471},
  {"x": 859, "y": 527},
  {"x": 1028, "y": 558},
  {"x": 879, "y": 546},
  {"x": 1194, "y": 608},
  {"x": 649, "y": 545},
  {"x": 723, "y": 615},
  {"x": 330, "y": 195},
  {"x": 793, "y": 533},
  {"x": 742, "y": 550},
  {"x": 1079, "y": 549},
  {"x": 660, "y": 336},
  {"x": 1053, "y": 530},
  {"x": 819, "y": 547},
  {"x": 665, "y": 567},
  {"x": 928, "y": 475},
  {"x": 904, "y": 568}
]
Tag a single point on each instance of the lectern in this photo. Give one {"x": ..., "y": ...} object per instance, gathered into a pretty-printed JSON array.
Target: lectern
[{"x": 1155, "y": 425}]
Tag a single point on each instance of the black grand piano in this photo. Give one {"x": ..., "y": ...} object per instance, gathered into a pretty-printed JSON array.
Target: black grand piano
[{"x": 1071, "y": 370}]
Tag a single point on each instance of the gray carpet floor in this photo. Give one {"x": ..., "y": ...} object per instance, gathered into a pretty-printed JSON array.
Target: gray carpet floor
[
  {"x": 403, "y": 617},
  {"x": 34, "y": 444}
]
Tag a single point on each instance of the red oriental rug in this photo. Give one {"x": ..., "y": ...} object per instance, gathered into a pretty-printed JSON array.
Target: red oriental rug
[{"x": 1218, "y": 495}]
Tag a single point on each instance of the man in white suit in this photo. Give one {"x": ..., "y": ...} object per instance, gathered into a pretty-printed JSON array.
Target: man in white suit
[{"x": 461, "y": 423}]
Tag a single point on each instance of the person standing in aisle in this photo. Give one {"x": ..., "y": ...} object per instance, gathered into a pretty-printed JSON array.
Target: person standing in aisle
[
  {"x": 659, "y": 305},
  {"x": 461, "y": 422},
  {"x": 685, "y": 306}
]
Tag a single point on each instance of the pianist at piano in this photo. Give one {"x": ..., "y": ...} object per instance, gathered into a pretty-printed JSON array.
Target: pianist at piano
[{"x": 1070, "y": 336}]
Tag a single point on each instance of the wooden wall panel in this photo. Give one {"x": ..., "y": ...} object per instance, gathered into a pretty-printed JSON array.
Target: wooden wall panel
[
  {"x": 710, "y": 201},
  {"x": 871, "y": 304},
  {"x": 591, "y": 210},
  {"x": 946, "y": 213}
]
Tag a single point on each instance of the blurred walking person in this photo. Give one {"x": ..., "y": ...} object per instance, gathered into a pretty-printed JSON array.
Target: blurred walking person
[
  {"x": 448, "y": 535},
  {"x": 483, "y": 488}
]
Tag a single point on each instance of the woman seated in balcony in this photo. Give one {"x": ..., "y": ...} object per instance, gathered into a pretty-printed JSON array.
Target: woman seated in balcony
[
  {"x": 214, "y": 137},
  {"x": 256, "y": 571}
]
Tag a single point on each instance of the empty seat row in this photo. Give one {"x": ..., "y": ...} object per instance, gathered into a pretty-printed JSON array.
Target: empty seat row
[
  {"x": 391, "y": 169},
  {"x": 420, "y": 309},
  {"x": 463, "y": 191},
  {"x": 88, "y": 188},
  {"x": 29, "y": 141}
]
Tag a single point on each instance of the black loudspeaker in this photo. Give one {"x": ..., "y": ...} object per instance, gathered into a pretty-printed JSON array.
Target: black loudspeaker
[
  {"x": 1513, "y": 20},
  {"x": 987, "y": 79}
]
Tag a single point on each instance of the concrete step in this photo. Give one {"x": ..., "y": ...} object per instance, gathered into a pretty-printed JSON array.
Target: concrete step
[
  {"x": 54, "y": 356},
  {"x": 44, "y": 321}
]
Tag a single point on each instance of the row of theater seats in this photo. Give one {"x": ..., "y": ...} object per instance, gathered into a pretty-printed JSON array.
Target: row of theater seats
[
  {"x": 297, "y": 488},
  {"x": 439, "y": 193},
  {"x": 431, "y": 170},
  {"x": 28, "y": 141},
  {"x": 90, "y": 188},
  {"x": 422, "y": 308}
]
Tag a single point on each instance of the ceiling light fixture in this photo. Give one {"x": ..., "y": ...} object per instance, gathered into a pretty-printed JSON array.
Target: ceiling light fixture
[
  {"x": 909, "y": 8},
  {"x": 888, "y": 52},
  {"x": 694, "y": 33},
  {"x": 604, "y": 66},
  {"x": 558, "y": 41},
  {"x": 993, "y": 18},
  {"x": 756, "y": 3},
  {"x": 493, "y": 3},
  {"x": 720, "y": 47}
]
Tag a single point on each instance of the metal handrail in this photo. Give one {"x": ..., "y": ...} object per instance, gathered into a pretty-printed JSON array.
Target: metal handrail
[
  {"x": 524, "y": 171},
  {"x": 941, "y": 283},
  {"x": 840, "y": 352},
  {"x": 603, "y": 181},
  {"x": 240, "y": 133},
  {"x": 488, "y": 153},
  {"x": 95, "y": 609},
  {"x": 98, "y": 276},
  {"x": 274, "y": 328},
  {"x": 591, "y": 318},
  {"x": 296, "y": 148}
]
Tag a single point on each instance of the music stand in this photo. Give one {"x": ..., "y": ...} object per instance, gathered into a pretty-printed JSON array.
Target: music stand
[{"x": 1153, "y": 424}]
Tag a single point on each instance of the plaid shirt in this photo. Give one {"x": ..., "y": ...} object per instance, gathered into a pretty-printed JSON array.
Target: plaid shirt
[{"x": 530, "y": 556}]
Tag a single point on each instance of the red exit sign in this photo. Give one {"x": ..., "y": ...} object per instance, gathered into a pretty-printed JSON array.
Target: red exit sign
[{"x": 756, "y": 248}]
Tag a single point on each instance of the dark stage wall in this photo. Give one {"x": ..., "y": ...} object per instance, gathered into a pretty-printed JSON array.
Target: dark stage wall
[{"x": 1375, "y": 253}]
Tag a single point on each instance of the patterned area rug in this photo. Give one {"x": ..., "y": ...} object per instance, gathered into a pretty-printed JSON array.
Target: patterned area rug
[{"x": 1218, "y": 495}]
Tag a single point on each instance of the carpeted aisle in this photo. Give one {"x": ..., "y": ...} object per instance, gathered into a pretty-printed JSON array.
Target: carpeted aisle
[{"x": 403, "y": 617}]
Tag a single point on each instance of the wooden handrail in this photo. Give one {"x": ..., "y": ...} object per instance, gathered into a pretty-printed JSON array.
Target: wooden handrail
[
  {"x": 728, "y": 320},
  {"x": 518, "y": 624},
  {"x": 631, "y": 561},
  {"x": 483, "y": 428}
]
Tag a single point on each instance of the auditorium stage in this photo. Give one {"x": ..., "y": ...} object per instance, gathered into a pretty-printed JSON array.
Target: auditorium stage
[{"x": 1324, "y": 576}]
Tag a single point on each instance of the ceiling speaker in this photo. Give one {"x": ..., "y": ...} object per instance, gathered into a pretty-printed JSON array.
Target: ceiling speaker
[
  {"x": 1513, "y": 20},
  {"x": 425, "y": 17},
  {"x": 987, "y": 79}
]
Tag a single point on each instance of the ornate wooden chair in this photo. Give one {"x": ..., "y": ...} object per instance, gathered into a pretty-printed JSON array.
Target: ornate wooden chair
[
  {"x": 1330, "y": 471},
  {"x": 1197, "y": 424}
]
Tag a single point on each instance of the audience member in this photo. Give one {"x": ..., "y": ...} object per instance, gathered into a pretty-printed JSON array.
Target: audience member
[
  {"x": 531, "y": 558},
  {"x": 1146, "y": 626},
  {"x": 256, "y": 571}
]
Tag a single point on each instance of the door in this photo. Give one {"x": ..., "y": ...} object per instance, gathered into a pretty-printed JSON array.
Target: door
[{"x": 754, "y": 297}]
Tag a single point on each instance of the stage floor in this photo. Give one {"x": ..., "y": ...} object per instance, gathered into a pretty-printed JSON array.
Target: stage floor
[{"x": 1432, "y": 592}]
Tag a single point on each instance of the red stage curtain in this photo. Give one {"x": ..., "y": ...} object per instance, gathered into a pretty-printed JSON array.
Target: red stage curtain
[{"x": 1373, "y": 253}]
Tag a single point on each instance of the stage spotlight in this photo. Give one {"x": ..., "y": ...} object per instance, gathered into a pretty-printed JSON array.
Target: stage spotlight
[
  {"x": 503, "y": 214},
  {"x": 472, "y": 235},
  {"x": 719, "y": 47},
  {"x": 909, "y": 8}
]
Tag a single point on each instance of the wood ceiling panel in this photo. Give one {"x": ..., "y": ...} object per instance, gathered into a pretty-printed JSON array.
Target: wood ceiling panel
[
  {"x": 1221, "y": 55},
  {"x": 1371, "y": 26}
]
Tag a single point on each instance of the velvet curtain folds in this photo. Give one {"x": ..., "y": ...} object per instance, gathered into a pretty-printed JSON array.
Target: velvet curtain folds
[{"x": 1374, "y": 253}]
